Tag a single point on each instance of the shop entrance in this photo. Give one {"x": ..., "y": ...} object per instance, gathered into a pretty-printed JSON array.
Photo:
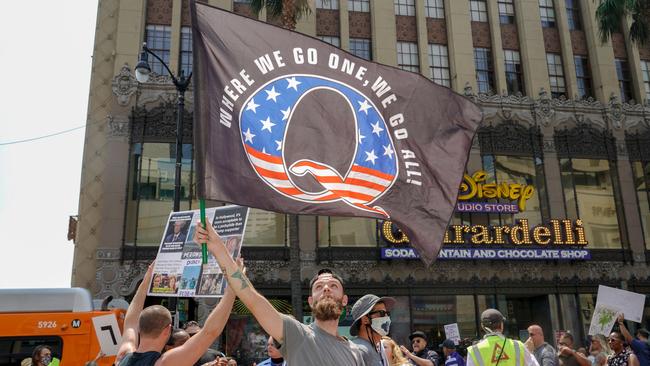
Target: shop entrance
[{"x": 525, "y": 310}]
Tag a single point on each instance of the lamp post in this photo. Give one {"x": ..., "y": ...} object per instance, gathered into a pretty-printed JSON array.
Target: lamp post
[{"x": 142, "y": 71}]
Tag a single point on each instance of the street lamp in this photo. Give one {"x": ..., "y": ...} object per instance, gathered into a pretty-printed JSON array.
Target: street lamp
[{"x": 142, "y": 71}]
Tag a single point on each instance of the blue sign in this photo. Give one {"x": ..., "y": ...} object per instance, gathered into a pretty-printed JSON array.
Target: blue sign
[{"x": 491, "y": 253}]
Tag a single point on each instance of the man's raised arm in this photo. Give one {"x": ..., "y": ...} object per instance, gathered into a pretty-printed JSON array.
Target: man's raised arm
[
  {"x": 130, "y": 333},
  {"x": 196, "y": 346},
  {"x": 262, "y": 310}
]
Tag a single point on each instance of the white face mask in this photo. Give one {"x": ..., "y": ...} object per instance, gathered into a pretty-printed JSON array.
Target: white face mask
[{"x": 381, "y": 325}]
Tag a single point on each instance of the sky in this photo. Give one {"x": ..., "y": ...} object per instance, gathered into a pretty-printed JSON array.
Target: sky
[{"x": 45, "y": 59}]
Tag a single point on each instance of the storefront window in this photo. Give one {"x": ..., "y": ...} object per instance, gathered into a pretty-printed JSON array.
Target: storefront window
[
  {"x": 589, "y": 195},
  {"x": 266, "y": 228},
  {"x": 641, "y": 171},
  {"x": 430, "y": 314},
  {"x": 521, "y": 170},
  {"x": 347, "y": 231}
]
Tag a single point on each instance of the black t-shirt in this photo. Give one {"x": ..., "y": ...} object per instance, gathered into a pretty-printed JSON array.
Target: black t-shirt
[{"x": 140, "y": 359}]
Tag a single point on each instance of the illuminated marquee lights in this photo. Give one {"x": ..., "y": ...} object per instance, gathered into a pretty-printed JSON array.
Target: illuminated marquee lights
[
  {"x": 556, "y": 232},
  {"x": 473, "y": 187}
]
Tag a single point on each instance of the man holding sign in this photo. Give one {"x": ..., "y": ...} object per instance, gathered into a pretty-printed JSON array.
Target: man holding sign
[
  {"x": 147, "y": 331},
  {"x": 318, "y": 344}
]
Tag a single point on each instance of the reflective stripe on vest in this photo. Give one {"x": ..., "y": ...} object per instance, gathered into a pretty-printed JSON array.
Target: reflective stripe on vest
[{"x": 487, "y": 352}]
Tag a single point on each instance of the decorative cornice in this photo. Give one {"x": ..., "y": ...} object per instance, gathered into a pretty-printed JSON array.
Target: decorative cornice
[
  {"x": 510, "y": 138},
  {"x": 585, "y": 141},
  {"x": 118, "y": 126},
  {"x": 124, "y": 85}
]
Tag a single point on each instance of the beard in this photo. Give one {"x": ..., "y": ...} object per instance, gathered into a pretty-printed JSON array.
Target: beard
[{"x": 327, "y": 308}]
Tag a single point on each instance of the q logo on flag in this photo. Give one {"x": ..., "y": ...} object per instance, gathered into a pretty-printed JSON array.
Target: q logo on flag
[{"x": 265, "y": 119}]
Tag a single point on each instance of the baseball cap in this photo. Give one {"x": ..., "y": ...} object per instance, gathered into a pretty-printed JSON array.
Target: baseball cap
[
  {"x": 492, "y": 317},
  {"x": 416, "y": 334},
  {"x": 448, "y": 343},
  {"x": 364, "y": 305}
]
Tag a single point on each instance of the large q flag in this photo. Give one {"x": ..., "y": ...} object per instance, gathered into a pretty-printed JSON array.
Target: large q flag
[{"x": 287, "y": 123}]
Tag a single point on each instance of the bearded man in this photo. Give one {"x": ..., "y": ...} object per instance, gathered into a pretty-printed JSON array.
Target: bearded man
[{"x": 316, "y": 344}]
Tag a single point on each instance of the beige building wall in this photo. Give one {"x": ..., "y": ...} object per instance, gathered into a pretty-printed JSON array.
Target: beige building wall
[
  {"x": 531, "y": 42},
  {"x": 461, "y": 49},
  {"x": 384, "y": 39},
  {"x": 118, "y": 38}
]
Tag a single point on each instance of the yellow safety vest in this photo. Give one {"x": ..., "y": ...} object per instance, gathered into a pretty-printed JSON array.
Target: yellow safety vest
[{"x": 493, "y": 350}]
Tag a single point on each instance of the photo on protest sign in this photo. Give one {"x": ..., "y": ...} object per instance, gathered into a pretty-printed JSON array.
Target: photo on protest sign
[{"x": 179, "y": 270}]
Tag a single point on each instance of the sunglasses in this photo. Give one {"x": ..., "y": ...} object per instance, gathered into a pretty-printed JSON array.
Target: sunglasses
[{"x": 382, "y": 313}]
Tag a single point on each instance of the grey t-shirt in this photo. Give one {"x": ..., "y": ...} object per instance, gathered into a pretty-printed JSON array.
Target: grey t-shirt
[
  {"x": 310, "y": 345},
  {"x": 370, "y": 354}
]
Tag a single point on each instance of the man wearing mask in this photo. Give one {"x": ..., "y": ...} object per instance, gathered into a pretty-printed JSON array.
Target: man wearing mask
[
  {"x": 495, "y": 348},
  {"x": 275, "y": 357},
  {"x": 421, "y": 356},
  {"x": 371, "y": 321}
]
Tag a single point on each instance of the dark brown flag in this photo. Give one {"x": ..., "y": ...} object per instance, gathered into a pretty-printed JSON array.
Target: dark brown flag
[{"x": 287, "y": 123}]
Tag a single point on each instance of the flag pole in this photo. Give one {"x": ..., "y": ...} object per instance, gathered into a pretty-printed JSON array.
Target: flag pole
[{"x": 204, "y": 246}]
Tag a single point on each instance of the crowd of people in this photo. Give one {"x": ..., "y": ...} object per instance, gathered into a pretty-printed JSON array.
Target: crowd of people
[{"x": 149, "y": 337}]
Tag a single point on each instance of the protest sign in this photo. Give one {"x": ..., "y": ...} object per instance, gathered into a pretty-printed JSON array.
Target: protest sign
[
  {"x": 108, "y": 333},
  {"x": 629, "y": 303},
  {"x": 178, "y": 271},
  {"x": 452, "y": 332}
]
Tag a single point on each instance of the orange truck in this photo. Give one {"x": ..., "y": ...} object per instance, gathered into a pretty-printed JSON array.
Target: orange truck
[{"x": 59, "y": 318}]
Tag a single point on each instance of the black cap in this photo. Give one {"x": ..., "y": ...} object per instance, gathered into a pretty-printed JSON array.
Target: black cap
[
  {"x": 492, "y": 317},
  {"x": 416, "y": 334},
  {"x": 448, "y": 343}
]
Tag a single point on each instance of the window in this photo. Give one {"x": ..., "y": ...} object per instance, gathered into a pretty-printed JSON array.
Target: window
[
  {"x": 359, "y": 5},
  {"x": 583, "y": 75},
  {"x": 514, "y": 72},
  {"x": 266, "y": 228},
  {"x": 478, "y": 10},
  {"x": 405, "y": 7},
  {"x": 327, "y": 4},
  {"x": 430, "y": 314},
  {"x": 624, "y": 82},
  {"x": 435, "y": 9},
  {"x": 547, "y": 13},
  {"x": 243, "y": 1},
  {"x": 159, "y": 41},
  {"x": 506, "y": 11},
  {"x": 152, "y": 189},
  {"x": 15, "y": 349},
  {"x": 346, "y": 231},
  {"x": 556, "y": 74},
  {"x": 641, "y": 171},
  {"x": 645, "y": 71},
  {"x": 589, "y": 195},
  {"x": 407, "y": 56},
  {"x": 522, "y": 170},
  {"x": 361, "y": 47},
  {"x": 333, "y": 40},
  {"x": 573, "y": 14},
  {"x": 439, "y": 64},
  {"x": 185, "y": 57},
  {"x": 484, "y": 69}
]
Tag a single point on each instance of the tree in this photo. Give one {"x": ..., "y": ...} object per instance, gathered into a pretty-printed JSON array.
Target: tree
[
  {"x": 611, "y": 15},
  {"x": 289, "y": 10}
]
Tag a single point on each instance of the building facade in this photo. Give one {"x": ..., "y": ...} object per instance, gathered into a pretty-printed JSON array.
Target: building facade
[{"x": 561, "y": 115}]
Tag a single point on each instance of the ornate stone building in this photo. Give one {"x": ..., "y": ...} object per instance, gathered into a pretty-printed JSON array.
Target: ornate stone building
[{"x": 560, "y": 113}]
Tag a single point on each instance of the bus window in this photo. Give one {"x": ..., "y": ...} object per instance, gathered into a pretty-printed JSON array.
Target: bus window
[{"x": 13, "y": 350}]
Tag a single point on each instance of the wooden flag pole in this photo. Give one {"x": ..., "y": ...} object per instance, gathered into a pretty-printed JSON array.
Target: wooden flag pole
[{"x": 204, "y": 246}]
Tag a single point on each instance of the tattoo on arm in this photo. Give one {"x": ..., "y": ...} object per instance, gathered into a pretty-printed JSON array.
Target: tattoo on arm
[{"x": 240, "y": 276}]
